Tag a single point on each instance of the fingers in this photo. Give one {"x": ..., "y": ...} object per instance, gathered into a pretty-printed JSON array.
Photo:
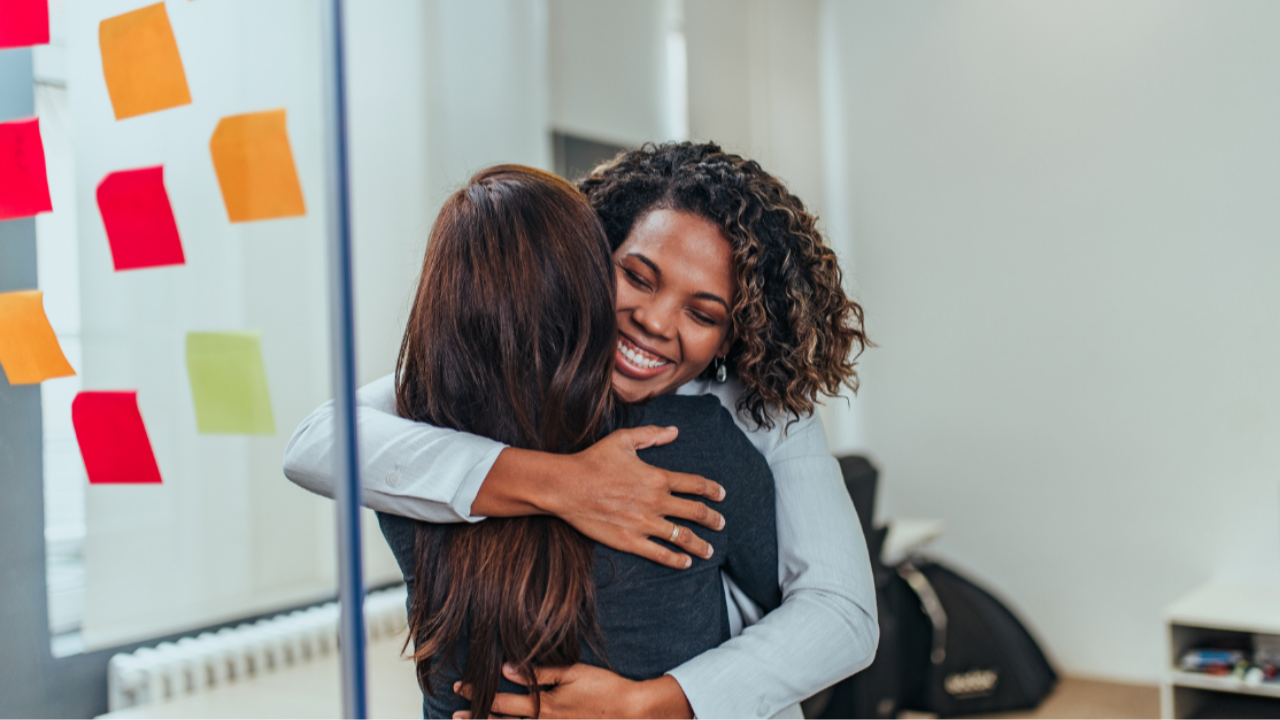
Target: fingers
[
  {"x": 651, "y": 550},
  {"x": 504, "y": 705},
  {"x": 694, "y": 511},
  {"x": 542, "y": 675},
  {"x": 687, "y": 539},
  {"x": 696, "y": 485},
  {"x": 648, "y": 436},
  {"x": 507, "y": 705}
]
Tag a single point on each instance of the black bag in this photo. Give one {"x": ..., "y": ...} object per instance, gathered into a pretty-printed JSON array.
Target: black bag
[{"x": 963, "y": 652}]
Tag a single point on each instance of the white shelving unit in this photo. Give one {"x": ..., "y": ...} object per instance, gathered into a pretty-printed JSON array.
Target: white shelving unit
[{"x": 1212, "y": 615}]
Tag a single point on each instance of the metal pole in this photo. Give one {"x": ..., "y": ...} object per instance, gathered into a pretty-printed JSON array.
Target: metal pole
[{"x": 346, "y": 464}]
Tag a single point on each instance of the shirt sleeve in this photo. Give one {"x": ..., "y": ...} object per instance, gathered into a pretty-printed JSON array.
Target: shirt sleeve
[
  {"x": 406, "y": 468},
  {"x": 826, "y": 628}
]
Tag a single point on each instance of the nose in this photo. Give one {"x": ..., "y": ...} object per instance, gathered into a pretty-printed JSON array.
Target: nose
[{"x": 656, "y": 317}]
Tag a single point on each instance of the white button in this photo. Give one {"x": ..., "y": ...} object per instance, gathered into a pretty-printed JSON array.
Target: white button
[{"x": 393, "y": 479}]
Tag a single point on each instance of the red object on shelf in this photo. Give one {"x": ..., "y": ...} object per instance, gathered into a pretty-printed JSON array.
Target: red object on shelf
[
  {"x": 24, "y": 23},
  {"x": 139, "y": 220},
  {"x": 113, "y": 440}
]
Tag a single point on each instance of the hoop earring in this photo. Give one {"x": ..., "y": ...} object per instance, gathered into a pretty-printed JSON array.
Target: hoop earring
[{"x": 722, "y": 373}]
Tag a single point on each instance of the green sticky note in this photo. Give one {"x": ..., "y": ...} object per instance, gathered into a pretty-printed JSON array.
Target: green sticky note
[{"x": 229, "y": 383}]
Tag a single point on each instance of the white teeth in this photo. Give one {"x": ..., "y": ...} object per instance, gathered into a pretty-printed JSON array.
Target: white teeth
[{"x": 637, "y": 359}]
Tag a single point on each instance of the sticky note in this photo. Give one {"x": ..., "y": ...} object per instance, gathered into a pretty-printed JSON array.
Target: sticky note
[
  {"x": 140, "y": 62},
  {"x": 24, "y": 186},
  {"x": 229, "y": 383},
  {"x": 23, "y": 23},
  {"x": 113, "y": 440},
  {"x": 139, "y": 220},
  {"x": 29, "y": 351},
  {"x": 254, "y": 163}
]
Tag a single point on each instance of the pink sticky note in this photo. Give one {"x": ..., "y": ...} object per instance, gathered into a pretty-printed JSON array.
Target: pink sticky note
[
  {"x": 113, "y": 440},
  {"x": 139, "y": 220},
  {"x": 23, "y": 23},
  {"x": 24, "y": 187}
]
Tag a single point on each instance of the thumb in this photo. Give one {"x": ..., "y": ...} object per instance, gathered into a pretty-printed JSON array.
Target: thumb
[
  {"x": 650, "y": 436},
  {"x": 543, "y": 676}
]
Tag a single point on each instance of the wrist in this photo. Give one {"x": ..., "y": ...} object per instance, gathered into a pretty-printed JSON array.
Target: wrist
[
  {"x": 659, "y": 698},
  {"x": 516, "y": 485}
]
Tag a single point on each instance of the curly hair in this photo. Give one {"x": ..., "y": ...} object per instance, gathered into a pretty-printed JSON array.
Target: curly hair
[{"x": 795, "y": 333}]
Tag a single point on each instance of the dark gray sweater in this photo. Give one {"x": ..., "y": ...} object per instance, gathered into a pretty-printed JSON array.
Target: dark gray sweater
[{"x": 655, "y": 618}]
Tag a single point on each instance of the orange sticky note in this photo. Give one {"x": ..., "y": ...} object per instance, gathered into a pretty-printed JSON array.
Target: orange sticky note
[
  {"x": 141, "y": 63},
  {"x": 29, "y": 351},
  {"x": 254, "y": 163}
]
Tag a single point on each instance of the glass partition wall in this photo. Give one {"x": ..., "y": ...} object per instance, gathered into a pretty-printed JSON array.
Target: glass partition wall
[
  {"x": 219, "y": 329},
  {"x": 207, "y": 531}
]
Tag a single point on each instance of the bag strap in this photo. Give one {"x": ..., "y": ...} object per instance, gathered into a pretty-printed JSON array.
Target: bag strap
[{"x": 932, "y": 607}]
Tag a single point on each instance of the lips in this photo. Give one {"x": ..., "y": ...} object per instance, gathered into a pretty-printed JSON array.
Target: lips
[{"x": 638, "y": 362}]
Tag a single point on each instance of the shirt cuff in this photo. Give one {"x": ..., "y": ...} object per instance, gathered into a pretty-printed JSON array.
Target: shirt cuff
[{"x": 470, "y": 487}]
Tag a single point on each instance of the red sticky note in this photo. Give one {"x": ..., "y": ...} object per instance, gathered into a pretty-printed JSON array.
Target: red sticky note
[
  {"x": 24, "y": 187},
  {"x": 113, "y": 440},
  {"x": 23, "y": 23},
  {"x": 139, "y": 220}
]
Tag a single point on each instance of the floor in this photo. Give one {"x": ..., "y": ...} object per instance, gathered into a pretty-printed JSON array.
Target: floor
[{"x": 1083, "y": 700}]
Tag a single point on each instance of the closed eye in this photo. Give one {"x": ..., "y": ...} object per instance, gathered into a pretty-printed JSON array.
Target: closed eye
[{"x": 634, "y": 277}]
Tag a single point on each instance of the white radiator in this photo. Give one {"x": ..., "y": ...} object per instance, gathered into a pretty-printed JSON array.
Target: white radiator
[{"x": 196, "y": 664}]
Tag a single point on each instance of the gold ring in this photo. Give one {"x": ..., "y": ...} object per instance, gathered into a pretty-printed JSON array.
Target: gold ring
[{"x": 675, "y": 533}]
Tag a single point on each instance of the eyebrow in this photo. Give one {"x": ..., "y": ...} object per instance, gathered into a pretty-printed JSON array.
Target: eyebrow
[
  {"x": 652, "y": 266},
  {"x": 658, "y": 271}
]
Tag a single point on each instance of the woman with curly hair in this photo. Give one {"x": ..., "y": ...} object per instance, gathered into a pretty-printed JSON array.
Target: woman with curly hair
[
  {"x": 724, "y": 288},
  {"x": 512, "y": 336}
]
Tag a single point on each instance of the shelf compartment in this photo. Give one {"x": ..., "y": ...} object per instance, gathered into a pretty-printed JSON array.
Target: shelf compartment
[{"x": 1220, "y": 683}]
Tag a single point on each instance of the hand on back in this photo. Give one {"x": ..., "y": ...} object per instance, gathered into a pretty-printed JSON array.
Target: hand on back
[{"x": 609, "y": 494}]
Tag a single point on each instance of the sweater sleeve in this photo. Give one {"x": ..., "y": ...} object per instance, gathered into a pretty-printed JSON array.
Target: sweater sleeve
[
  {"x": 406, "y": 468},
  {"x": 749, "y": 537}
]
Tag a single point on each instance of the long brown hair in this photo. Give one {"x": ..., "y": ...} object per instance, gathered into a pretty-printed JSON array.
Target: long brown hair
[{"x": 511, "y": 336}]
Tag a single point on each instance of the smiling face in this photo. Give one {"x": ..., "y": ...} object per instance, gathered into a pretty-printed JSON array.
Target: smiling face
[{"x": 675, "y": 289}]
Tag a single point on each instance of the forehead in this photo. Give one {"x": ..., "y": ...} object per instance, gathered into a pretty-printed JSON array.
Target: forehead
[{"x": 684, "y": 246}]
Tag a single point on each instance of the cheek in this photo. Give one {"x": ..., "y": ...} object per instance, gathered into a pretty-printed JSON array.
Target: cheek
[
  {"x": 701, "y": 343},
  {"x": 627, "y": 297}
]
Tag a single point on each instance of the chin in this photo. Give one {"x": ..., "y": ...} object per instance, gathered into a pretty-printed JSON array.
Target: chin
[{"x": 632, "y": 390}]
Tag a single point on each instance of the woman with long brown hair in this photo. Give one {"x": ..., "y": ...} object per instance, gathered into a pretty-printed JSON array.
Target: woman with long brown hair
[
  {"x": 725, "y": 288},
  {"x": 512, "y": 336}
]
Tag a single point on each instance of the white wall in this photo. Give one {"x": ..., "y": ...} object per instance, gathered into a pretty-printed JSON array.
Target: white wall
[
  {"x": 1065, "y": 223},
  {"x": 609, "y": 69},
  {"x": 759, "y": 87},
  {"x": 439, "y": 90}
]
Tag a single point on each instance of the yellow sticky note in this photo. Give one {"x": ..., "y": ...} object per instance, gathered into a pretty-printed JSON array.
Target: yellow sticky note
[
  {"x": 29, "y": 351},
  {"x": 254, "y": 163},
  {"x": 141, "y": 63},
  {"x": 229, "y": 383}
]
